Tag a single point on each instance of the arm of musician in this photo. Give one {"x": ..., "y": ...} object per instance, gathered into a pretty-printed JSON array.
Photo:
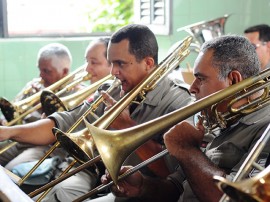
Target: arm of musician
[
  {"x": 146, "y": 188},
  {"x": 183, "y": 141},
  {"x": 149, "y": 149},
  {"x": 37, "y": 133}
]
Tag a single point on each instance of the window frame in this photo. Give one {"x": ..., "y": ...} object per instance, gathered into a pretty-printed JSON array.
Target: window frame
[{"x": 166, "y": 28}]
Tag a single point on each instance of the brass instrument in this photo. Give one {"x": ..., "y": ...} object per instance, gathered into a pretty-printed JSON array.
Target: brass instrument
[
  {"x": 80, "y": 144},
  {"x": 115, "y": 146},
  {"x": 68, "y": 141},
  {"x": 253, "y": 189},
  {"x": 205, "y": 30},
  {"x": 18, "y": 110},
  {"x": 78, "y": 98},
  {"x": 31, "y": 88},
  {"x": 15, "y": 112},
  {"x": 51, "y": 102},
  {"x": 89, "y": 147}
]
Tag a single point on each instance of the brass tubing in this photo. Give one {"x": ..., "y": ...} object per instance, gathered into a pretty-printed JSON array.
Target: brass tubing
[
  {"x": 123, "y": 176},
  {"x": 62, "y": 174},
  {"x": 38, "y": 163},
  {"x": 120, "y": 143},
  {"x": 69, "y": 174},
  {"x": 23, "y": 106}
]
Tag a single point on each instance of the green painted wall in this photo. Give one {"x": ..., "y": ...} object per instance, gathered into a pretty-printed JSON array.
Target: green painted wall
[{"x": 18, "y": 56}]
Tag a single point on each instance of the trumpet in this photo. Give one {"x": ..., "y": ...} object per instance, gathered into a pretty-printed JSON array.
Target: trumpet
[{"x": 115, "y": 146}]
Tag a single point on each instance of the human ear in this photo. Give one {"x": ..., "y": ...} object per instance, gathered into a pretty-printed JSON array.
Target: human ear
[
  {"x": 234, "y": 77},
  {"x": 150, "y": 63},
  {"x": 65, "y": 71}
]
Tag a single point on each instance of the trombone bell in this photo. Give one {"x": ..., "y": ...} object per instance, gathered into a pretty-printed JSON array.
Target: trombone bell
[
  {"x": 7, "y": 109},
  {"x": 51, "y": 103},
  {"x": 79, "y": 144},
  {"x": 255, "y": 189}
]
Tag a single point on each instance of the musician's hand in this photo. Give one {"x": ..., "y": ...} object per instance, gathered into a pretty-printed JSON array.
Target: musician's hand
[
  {"x": 183, "y": 136},
  {"x": 128, "y": 187},
  {"x": 123, "y": 120},
  {"x": 4, "y": 133}
]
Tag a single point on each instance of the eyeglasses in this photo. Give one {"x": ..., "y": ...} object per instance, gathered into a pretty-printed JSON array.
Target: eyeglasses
[{"x": 257, "y": 45}]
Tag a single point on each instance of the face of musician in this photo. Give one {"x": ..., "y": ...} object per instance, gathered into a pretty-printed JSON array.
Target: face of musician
[
  {"x": 125, "y": 66},
  {"x": 97, "y": 64},
  {"x": 262, "y": 48},
  {"x": 207, "y": 79},
  {"x": 52, "y": 70}
]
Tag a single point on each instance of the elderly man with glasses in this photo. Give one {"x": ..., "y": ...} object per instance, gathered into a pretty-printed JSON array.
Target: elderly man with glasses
[{"x": 259, "y": 36}]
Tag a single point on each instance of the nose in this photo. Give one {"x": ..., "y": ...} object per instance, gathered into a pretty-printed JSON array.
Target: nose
[
  {"x": 114, "y": 70},
  {"x": 193, "y": 89},
  {"x": 41, "y": 74},
  {"x": 88, "y": 67}
]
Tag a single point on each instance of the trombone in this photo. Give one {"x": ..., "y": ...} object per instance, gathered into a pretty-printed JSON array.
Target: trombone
[
  {"x": 15, "y": 112},
  {"x": 115, "y": 146},
  {"x": 79, "y": 144},
  {"x": 70, "y": 141},
  {"x": 74, "y": 99},
  {"x": 18, "y": 110},
  {"x": 89, "y": 146},
  {"x": 51, "y": 102},
  {"x": 253, "y": 189}
]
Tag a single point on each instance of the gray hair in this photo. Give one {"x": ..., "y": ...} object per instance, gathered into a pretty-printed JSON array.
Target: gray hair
[
  {"x": 233, "y": 52},
  {"x": 57, "y": 50}
]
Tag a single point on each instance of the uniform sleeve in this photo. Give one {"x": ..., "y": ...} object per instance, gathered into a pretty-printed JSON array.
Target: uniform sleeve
[{"x": 64, "y": 120}]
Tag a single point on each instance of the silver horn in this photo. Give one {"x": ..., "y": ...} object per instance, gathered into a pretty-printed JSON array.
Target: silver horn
[{"x": 205, "y": 30}]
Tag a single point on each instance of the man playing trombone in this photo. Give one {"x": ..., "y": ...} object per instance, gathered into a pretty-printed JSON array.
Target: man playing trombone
[
  {"x": 133, "y": 53},
  {"x": 222, "y": 63},
  {"x": 54, "y": 62},
  {"x": 54, "y": 59}
]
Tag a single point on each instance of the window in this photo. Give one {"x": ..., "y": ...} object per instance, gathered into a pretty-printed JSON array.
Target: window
[
  {"x": 28, "y": 18},
  {"x": 154, "y": 13}
]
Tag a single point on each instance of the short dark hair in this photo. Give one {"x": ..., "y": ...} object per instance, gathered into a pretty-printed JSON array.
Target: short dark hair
[
  {"x": 233, "y": 52},
  {"x": 263, "y": 29},
  {"x": 142, "y": 41}
]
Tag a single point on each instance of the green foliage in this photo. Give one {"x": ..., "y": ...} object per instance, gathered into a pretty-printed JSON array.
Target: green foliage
[{"x": 110, "y": 15}]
